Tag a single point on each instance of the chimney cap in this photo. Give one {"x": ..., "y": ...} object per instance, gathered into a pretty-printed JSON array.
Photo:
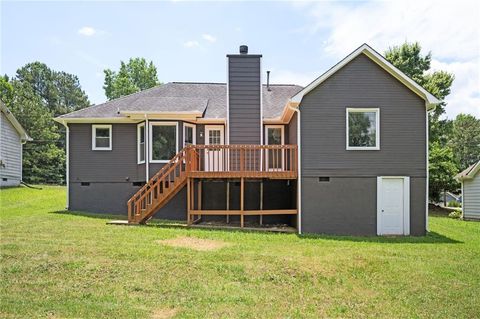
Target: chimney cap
[{"x": 243, "y": 49}]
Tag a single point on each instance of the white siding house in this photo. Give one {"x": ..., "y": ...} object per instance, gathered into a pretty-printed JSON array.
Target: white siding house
[
  {"x": 470, "y": 179},
  {"x": 12, "y": 136}
]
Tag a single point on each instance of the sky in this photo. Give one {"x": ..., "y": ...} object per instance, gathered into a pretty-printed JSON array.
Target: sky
[{"x": 188, "y": 41}]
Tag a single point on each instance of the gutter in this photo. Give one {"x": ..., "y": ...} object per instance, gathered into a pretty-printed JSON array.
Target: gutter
[
  {"x": 299, "y": 161},
  {"x": 147, "y": 149}
]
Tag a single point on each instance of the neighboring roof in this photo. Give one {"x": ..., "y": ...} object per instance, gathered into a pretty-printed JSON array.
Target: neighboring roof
[
  {"x": 382, "y": 62},
  {"x": 469, "y": 173},
  {"x": 207, "y": 99},
  {"x": 18, "y": 127}
]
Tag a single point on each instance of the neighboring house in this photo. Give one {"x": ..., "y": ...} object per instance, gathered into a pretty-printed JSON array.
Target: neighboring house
[
  {"x": 346, "y": 154},
  {"x": 470, "y": 179},
  {"x": 13, "y": 136}
]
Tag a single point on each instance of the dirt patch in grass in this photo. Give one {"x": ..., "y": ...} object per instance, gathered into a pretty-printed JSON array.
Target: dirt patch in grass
[
  {"x": 164, "y": 313},
  {"x": 194, "y": 243}
]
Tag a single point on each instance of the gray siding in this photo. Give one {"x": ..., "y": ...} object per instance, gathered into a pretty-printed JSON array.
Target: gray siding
[
  {"x": 471, "y": 198},
  {"x": 111, "y": 174},
  {"x": 113, "y": 166},
  {"x": 10, "y": 154},
  {"x": 347, "y": 204},
  {"x": 244, "y": 99},
  {"x": 362, "y": 83},
  {"x": 291, "y": 131}
]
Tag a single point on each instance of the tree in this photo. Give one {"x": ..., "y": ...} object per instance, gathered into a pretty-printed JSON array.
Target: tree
[
  {"x": 134, "y": 76},
  {"x": 60, "y": 91},
  {"x": 408, "y": 58},
  {"x": 43, "y": 159},
  {"x": 6, "y": 90},
  {"x": 441, "y": 171},
  {"x": 465, "y": 140},
  {"x": 35, "y": 95}
]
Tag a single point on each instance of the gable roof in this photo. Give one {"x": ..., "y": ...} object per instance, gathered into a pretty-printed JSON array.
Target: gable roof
[
  {"x": 18, "y": 127},
  {"x": 207, "y": 100},
  {"x": 431, "y": 100},
  {"x": 469, "y": 173}
]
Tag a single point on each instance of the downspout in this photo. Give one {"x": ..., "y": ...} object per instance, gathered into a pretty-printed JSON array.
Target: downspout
[
  {"x": 299, "y": 163},
  {"x": 67, "y": 151},
  {"x": 427, "y": 128},
  {"x": 147, "y": 148}
]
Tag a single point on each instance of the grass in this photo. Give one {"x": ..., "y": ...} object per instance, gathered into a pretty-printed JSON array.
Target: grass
[{"x": 62, "y": 265}]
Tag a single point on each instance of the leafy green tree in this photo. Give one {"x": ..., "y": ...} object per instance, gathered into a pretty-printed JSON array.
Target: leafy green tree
[
  {"x": 465, "y": 140},
  {"x": 35, "y": 95},
  {"x": 134, "y": 76},
  {"x": 60, "y": 91},
  {"x": 441, "y": 171},
  {"x": 409, "y": 59},
  {"x": 43, "y": 159}
]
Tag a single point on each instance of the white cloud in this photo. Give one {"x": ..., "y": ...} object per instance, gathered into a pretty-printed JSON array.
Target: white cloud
[
  {"x": 208, "y": 37},
  {"x": 87, "y": 31},
  {"x": 448, "y": 29},
  {"x": 191, "y": 44},
  {"x": 465, "y": 97}
]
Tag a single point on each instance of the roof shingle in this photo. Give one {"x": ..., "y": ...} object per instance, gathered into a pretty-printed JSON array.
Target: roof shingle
[{"x": 207, "y": 98}]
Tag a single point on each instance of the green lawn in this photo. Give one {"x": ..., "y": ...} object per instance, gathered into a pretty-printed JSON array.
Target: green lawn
[{"x": 60, "y": 265}]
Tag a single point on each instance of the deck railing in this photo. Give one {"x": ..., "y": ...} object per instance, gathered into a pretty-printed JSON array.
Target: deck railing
[{"x": 274, "y": 161}]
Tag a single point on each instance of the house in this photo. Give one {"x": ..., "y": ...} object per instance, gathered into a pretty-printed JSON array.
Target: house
[
  {"x": 470, "y": 180},
  {"x": 13, "y": 136},
  {"x": 347, "y": 154}
]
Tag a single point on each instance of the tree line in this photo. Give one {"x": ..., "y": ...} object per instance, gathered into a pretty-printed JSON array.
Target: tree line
[{"x": 36, "y": 94}]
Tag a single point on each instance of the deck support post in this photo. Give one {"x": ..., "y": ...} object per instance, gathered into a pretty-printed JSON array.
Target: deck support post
[
  {"x": 189, "y": 200},
  {"x": 261, "y": 201},
  {"x": 242, "y": 195},
  {"x": 228, "y": 200},
  {"x": 199, "y": 197}
]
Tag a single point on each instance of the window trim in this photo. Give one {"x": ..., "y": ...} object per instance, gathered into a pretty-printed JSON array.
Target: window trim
[
  {"x": 377, "y": 129},
  {"x": 94, "y": 136},
  {"x": 140, "y": 125},
  {"x": 194, "y": 127},
  {"x": 150, "y": 144},
  {"x": 282, "y": 127}
]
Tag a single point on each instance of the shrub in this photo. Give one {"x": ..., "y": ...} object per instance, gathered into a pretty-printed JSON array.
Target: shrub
[
  {"x": 455, "y": 214},
  {"x": 453, "y": 203}
]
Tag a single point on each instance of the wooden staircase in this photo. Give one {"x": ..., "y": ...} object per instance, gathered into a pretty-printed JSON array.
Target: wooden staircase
[{"x": 162, "y": 187}]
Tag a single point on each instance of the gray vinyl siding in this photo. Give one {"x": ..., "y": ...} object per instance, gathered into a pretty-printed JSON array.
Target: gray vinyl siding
[
  {"x": 347, "y": 204},
  {"x": 363, "y": 84},
  {"x": 115, "y": 166},
  {"x": 10, "y": 154},
  {"x": 471, "y": 198},
  {"x": 291, "y": 131},
  {"x": 244, "y": 99}
]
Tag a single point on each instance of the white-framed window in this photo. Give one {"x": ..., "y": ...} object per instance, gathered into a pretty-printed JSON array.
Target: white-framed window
[
  {"x": 102, "y": 137},
  {"x": 363, "y": 128},
  {"x": 189, "y": 134},
  {"x": 141, "y": 143},
  {"x": 163, "y": 143}
]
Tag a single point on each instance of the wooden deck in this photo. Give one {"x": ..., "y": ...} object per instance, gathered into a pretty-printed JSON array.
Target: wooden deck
[{"x": 197, "y": 162}]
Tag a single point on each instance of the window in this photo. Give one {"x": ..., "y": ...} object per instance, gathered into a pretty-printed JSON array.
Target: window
[
  {"x": 163, "y": 141},
  {"x": 188, "y": 134},
  {"x": 141, "y": 143},
  {"x": 363, "y": 129},
  {"x": 101, "y": 137}
]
